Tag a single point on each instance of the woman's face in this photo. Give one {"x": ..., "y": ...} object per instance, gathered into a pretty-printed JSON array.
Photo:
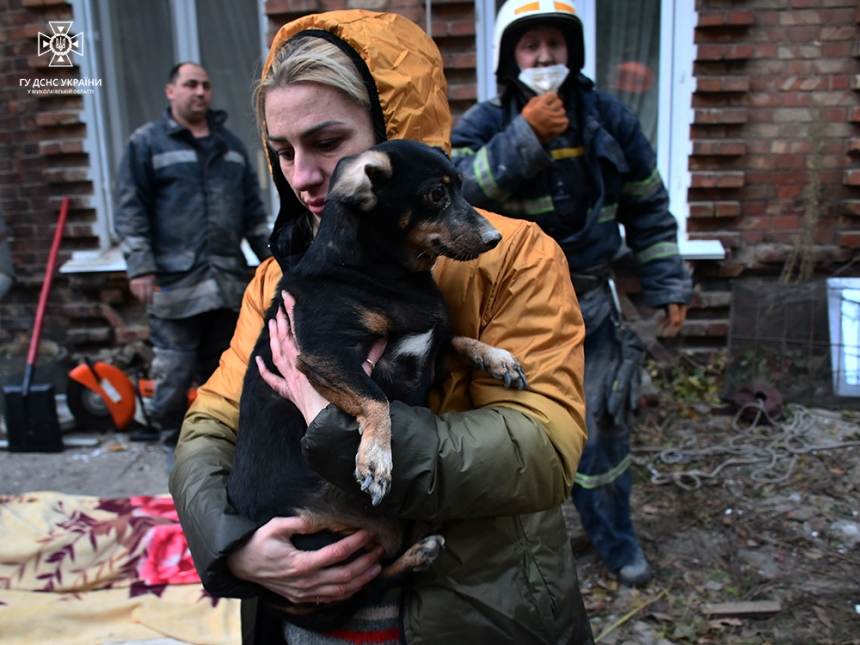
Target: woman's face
[{"x": 311, "y": 127}]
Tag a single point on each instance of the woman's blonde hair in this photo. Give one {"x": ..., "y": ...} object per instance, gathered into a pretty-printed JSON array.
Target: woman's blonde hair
[{"x": 311, "y": 59}]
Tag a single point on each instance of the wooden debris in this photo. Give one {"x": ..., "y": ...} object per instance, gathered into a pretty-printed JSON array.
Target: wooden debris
[{"x": 748, "y": 609}]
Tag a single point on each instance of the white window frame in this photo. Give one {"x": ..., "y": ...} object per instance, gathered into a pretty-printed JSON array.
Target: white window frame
[
  {"x": 187, "y": 46},
  {"x": 675, "y": 116}
]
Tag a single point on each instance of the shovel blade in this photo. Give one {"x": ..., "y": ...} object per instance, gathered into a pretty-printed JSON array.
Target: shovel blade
[{"x": 31, "y": 421}]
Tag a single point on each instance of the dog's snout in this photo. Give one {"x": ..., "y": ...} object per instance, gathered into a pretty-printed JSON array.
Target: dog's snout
[{"x": 491, "y": 238}]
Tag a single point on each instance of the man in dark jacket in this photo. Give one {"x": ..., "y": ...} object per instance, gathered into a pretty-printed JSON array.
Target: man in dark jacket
[
  {"x": 186, "y": 196},
  {"x": 552, "y": 150}
]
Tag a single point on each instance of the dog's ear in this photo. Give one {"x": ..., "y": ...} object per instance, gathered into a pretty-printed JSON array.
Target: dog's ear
[{"x": 355, "y": 179}]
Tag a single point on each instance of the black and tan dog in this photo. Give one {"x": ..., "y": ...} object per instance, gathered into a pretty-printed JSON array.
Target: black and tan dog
[{"x": 390, "y": 212}]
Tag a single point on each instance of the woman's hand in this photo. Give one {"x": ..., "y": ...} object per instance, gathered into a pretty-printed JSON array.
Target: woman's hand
[
  {"x": 293, "y": 384},
  {"x": 270, "y": 560}
]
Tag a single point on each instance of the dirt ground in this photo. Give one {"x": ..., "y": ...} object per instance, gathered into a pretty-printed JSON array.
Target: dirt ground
[{"x": 784, "y": 529}]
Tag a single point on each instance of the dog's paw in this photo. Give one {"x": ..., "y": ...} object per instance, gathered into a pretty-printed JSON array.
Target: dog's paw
[
  {"x": 426, "y": 551},
  {"x": 373, "y": 470},
  {"x": 503, "y": 366}
]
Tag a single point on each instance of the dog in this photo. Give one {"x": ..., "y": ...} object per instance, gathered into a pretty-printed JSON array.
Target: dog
[{"x": 390, "y": 213}]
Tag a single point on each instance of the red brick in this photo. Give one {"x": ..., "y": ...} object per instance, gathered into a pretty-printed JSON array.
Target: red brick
[
  {"x": 717, "y": 179},
  {"x": 462, "y": 93},
  {"x": 65, "y": 175},
  {"x": 719, "y": 147},
  {"x": 735, "y": 18},
  {"x": 786, "y": 222},
  {"x": 801, "y": 84},
  {"x": 707, "y": 210},
  {"x": 722, "y": 83},
  {"x": 852, "y": 147},
  {"x": 740, "y": 17},
  {"x": 275, "y": 7},
  {"x": 791, "y": 162},
  {"x": 58, "y": 117},
  {"x": 852, "y": 207},
  {"x": 460, "y": 60},
  {"x": 789, "y": 192},
  {"x": 721, "y": 115},
  {"x": 724, "y": 52},
  {"x": 61, "y": 147},
  {"x": 851, "y": 239},
  {"x": 33, "y": 4},
  {"x": 851, "y": 177},
  {"x": 800, "y": 18},
  {"x": 752, "y": 237},
  {"x": 794, "y": 99}
]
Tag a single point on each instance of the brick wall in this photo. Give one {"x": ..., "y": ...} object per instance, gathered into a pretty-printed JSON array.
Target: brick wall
[
  {"x": 775, "y": 166},
  {"x": 42, "y": 159}
]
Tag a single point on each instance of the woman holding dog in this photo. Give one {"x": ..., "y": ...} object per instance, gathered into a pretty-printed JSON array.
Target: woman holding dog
[{"x": 490, "y": 466}]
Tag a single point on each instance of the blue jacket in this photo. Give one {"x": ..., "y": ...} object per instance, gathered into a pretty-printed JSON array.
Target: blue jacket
[
  {"x": 507, "y": 170},
  {"x": 182, "y": 211}
]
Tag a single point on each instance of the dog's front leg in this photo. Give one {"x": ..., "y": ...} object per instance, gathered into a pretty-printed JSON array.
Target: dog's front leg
[
  {"x": 356, "y": 394},
  {"x": 498, "y": 363}
]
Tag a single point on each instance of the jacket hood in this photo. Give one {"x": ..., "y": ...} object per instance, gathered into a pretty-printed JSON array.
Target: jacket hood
[{"x": 404, "y": 73}]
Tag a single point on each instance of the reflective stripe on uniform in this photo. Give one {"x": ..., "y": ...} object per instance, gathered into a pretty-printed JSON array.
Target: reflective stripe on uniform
[
  {"x": 656, "y": 251},
  {"x": 607, "y": 214},
  {"x": 164, "y": 159},
  {"x": 459, "y": 153},
  {"x": 234, "y": 157},
  {"x": 567, "y": 153},
  {"x": 644, "y": 188},
  {"x": 532, "y": 207},
  {"x": 594, "y": 481},
  {"x": 484, "y": 176}
]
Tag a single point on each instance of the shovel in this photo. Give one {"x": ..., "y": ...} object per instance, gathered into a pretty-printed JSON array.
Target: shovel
[{"x": 31, "y": 410}]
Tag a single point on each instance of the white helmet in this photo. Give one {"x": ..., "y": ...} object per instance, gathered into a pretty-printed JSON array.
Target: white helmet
[{"x": 516, "y": 15}]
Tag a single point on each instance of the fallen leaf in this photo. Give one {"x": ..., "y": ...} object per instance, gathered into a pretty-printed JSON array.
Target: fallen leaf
[
  {"x": 116, "y": 447},
  {"x": 722, "y": 623},
  {"x": 813, "y": 554},
  {"x": 822, "y": 616}
]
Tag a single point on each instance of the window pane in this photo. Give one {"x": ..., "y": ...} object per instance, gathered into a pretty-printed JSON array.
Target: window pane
[
  {"x": 230, "y": 51},
  {"x": 136, "y": 43},
  {"x": 628, "y": 56}
]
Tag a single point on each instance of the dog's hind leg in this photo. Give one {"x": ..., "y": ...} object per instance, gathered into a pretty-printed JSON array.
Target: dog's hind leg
[
  {"x": 498, "y": 363},
  {"x": 418, "y": 557}
]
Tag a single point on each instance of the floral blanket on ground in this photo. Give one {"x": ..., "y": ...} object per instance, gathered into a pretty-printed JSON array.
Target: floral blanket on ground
[{"x": 80, "y": 570}]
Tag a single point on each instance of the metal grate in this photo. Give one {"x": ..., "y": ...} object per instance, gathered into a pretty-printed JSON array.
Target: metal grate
[{"x": 779, "y": 335}]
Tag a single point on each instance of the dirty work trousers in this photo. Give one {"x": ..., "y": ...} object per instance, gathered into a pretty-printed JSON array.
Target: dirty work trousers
[
  {"x": 186, "y": 350},
  {"x": 601, "y": 492}
]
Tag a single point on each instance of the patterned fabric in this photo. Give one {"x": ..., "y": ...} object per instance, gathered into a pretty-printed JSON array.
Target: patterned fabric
[
  {"x": 374, "y": 624},
  {"x": 84, "y": 570}
]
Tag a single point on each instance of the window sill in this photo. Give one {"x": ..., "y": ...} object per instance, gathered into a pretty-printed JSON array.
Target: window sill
[
  {"x": 111, "y": 259},
  {"x": 701, "y": 249}
]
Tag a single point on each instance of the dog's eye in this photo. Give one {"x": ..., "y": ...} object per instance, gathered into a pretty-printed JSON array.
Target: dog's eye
[{"x": 437, "y": 194}]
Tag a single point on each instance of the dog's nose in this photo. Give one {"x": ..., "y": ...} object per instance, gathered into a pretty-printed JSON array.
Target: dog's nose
[{"x": 491, "y": 238}]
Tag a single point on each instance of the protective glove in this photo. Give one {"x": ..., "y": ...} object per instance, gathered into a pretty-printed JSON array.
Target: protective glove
[
  {"x": 545, "y": 114},
  {"x": 670, "y": 325}
]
